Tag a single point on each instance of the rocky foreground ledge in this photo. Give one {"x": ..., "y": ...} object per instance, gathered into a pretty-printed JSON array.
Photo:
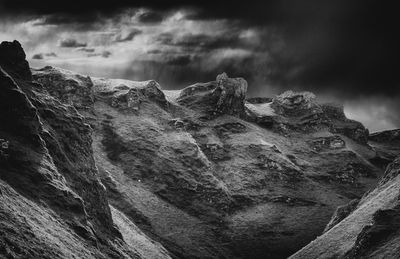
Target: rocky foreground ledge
[{"x": 111, "y": 168}]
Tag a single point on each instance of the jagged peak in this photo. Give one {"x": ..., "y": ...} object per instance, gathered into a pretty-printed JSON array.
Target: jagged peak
[{"x": 13, "y": 60}]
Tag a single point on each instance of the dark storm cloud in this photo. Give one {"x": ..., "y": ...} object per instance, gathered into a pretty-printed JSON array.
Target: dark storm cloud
[
  {"x": 347, "y": 48},
  {"x": 330, "y": 44},
  {"x": 203, "y": 42},
  {"x": 59, "y": 19},
  {"x": 37, "y": 56},
  {"x": 72, "y": 43},
  {"x": 43, "y": 55},
  {"x": 251, "y": 10},
  {"x": 128, "y": 37},
  {"x": 154, "y": 51},
  {"x": 89, "y": 50},
  {"x": 91, "y": 21},
  {"x": 151, "y": 17},
  {"x": 180, "y": 70},
  {"x": 104, "y": 54}
]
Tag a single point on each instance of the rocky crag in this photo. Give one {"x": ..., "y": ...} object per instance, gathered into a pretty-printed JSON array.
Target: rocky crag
[
  {"x": 52, "y": 202},
  {"x": 110, "y": 168}
]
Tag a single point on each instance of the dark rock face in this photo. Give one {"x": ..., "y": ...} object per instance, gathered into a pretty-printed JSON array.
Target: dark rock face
[
  {"x": 224, "y": 96},
  {"x": 17, "y": 113},
  {"x": 12, "y": 60},
  {"x": 232, "y": 94}
]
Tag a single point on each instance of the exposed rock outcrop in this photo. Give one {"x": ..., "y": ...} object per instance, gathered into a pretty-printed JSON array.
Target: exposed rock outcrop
[
  {"x": 68, "y": 87},
  {"x": 223, "y": 96},
  {"x": 299, "y": 111},
  {"x": 12, "y": 60},
  {"x": 291, "y": 104},
  {"x": 126, "y": 94}
]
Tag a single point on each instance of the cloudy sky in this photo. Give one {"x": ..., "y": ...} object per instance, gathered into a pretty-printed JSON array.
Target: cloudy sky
[{"x": 344, "y": 51}]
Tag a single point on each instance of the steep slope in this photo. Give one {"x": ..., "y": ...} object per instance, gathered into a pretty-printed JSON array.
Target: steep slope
[
  {"x": 210, "y": 175},
  {"x": 52, "y": 203},
  {"x": 387, "y": 146},
  {"x": 371, "y": 229}
]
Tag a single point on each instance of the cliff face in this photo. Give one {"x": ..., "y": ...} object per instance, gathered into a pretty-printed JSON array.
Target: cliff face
[
  {"x": 123, "y": 169},
  {"x": 52, "y": 203}
]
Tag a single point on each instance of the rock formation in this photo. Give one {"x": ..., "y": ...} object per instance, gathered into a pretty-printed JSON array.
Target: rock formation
[
  {"x": 52, "y": 203},
  {"x": 12, "y": 59},
  {"x": 299, "y": 111},
  {"x": 223, "y": 96},
  {"x": 111, "y": 168},
  {"x": 292, "y": 104},
  {"x": 69, "y": 88}
]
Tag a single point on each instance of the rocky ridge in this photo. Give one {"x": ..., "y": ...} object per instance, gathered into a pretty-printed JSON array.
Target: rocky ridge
[
  {"x": 52, "y": 202},
  {"x": 201, "y": 171}
]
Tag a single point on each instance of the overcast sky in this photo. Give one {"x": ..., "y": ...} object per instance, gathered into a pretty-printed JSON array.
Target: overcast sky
[{"x": 341, "y": 50}]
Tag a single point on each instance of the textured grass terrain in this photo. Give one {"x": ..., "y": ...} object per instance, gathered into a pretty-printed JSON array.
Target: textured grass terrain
[{"x": 110, "y": 168}]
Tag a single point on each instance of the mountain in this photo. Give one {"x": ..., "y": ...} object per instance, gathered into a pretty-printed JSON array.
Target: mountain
[
  {"x": 111, "y": 168},
  {"x": 52, "y": 202}
]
